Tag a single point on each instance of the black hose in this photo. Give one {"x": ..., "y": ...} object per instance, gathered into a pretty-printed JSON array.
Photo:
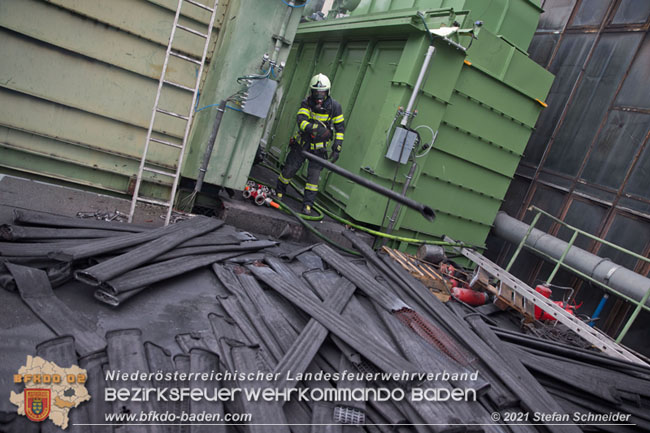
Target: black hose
[
  {"x": 425, "y": 210},
  {"x": 315, "y": 231}
]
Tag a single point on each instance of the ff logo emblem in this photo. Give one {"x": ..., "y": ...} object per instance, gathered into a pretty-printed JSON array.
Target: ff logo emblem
[{"x": 37, "y": 403}]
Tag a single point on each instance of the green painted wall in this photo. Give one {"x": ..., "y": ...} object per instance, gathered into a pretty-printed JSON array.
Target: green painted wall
[
  {"x": 247, "y": 35},
  {"x": 77, "y": 84}
]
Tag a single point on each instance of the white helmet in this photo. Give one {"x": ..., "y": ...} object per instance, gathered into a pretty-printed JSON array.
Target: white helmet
[{"x": 319, "y": 87}]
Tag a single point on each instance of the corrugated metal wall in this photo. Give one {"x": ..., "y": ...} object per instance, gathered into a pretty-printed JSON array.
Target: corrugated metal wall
[
  {"x": 77, "y": 84},
  {"x": 588, "y": 161}
]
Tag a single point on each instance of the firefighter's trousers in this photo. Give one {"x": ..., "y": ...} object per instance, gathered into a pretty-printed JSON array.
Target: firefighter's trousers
[{"x": 291, "y": 166}]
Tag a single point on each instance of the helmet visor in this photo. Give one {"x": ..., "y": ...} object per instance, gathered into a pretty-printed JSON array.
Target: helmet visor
[{"x": 319, "y": 95}]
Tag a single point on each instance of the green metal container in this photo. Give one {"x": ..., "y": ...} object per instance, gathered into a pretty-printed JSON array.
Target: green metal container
[
  {"x": 513, "y": 20},
  {"x": 483, "y": 103}
]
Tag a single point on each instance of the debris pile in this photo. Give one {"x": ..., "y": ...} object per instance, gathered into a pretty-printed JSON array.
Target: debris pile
[
  {"x": 119, "y": 259},
  {"x": 325, "y": 324}
]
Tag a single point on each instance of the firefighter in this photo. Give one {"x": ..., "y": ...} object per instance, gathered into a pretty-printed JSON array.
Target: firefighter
[{"x": 320, "y": 120}]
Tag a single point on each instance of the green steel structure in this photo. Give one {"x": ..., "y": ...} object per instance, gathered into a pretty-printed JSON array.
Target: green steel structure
[
  {"x": 514, "y": 21},
  {"x": 482, "y": 105},
  {"x": 78, "y": 80},
  {"x": 252, "y": 29},
  {"x": 77, "y": 83}
]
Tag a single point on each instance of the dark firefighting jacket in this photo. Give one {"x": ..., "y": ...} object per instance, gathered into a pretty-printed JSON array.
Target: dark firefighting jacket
[{"x": 330, "y": 115}]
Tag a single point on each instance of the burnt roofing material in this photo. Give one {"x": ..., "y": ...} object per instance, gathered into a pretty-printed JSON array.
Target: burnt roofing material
[
  {"x": 126, "y": 353},
  {"x": 150, "y": 274},
  {"x": 107, "y": 245},
  {"x": 61, "y": 351},
  {"x": 109, "y": 269},
  {"x": 305, "y": 314},
  {"x": 96, "y": 384},
  {"x": 533, "y": 397},
  {"x": 15, "y": 233},
  {"x": 30, "y": 217},
  {"x": 205, "y": 361},
  {"x": 36, "y": 292},
  {"x": 360, "y": 278},
  {"x": 268, "y": 416},
  {"x": 40, "y": 249},
  {"x": 159, "y": 359},
  {"x": 304, "y": 348},
  {"x": 384, "y": 357}
]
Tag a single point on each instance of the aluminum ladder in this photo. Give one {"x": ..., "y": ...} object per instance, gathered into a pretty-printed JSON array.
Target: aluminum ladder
[
  {"x": 592, "y": 335},
  {"x": 185, "y": 117}
]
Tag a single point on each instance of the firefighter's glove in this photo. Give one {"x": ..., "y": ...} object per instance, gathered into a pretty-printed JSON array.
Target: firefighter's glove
[
  {"x": 322, "y": 133},
  {"x": 334, "y": 157}
]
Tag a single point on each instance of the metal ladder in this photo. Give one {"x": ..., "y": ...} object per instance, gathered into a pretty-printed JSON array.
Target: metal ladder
[
  {"x": 592, "y": 335},
  {"x": 158, "y": 110}
]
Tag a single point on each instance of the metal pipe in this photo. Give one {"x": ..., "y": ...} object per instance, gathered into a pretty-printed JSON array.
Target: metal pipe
[
  {"x": 600, "y": 269},
  {"x": 405, "y": 120},
  {"x": 208, "y": 150},
  {"x": 426, "y": 211},
  {"x": 589, "y": 235},
  {"x": 398, "y": 207},
  {"x": 282, "y": 33},
  {"x": 418, "y": 83}
]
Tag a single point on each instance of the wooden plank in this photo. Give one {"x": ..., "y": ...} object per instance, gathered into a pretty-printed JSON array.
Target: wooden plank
[
  {"x": 436, "y": 284},
  {"x": 399, "y": 258}
]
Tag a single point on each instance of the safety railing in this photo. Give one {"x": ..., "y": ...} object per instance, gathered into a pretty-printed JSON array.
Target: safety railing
[{"x": 559, "y": 263}]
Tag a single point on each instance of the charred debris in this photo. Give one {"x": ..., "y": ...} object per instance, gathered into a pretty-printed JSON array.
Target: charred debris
[{"x": 310, "y": 319}]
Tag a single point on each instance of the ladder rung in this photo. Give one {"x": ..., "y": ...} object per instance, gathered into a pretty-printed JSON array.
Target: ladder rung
[
  {"x": 154, "y": 201},
  {"x": 202, "y": 6},
  {"x": 194, "y": 32},
  {"x": 171, "y": 113},
  {"x": 163, "y": 172},
  {"x": 166, "y": 143},
  {"x": 180, "y": 86},
  {"x": 184, "y": 57}
]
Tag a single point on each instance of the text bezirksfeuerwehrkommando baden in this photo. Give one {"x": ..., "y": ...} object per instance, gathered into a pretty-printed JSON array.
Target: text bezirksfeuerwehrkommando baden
[{"x": 264, "y": 390}]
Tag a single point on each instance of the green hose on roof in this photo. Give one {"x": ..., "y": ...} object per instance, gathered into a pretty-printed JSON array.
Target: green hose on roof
[{"x": 323, "y": 210}]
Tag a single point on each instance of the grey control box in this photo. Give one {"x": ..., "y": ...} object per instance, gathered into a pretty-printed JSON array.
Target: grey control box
[
  {"x": 401, "y": 137},
  {"x": 260, "y": 96}
]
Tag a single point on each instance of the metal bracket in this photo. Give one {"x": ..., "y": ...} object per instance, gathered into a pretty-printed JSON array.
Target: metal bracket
[{"x": 282, "y": 39}]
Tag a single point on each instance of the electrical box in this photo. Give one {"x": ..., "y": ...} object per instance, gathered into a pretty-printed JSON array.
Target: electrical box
[
  {"x": 260, "y": 96},
  {"x": 401, "y": 138}
]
